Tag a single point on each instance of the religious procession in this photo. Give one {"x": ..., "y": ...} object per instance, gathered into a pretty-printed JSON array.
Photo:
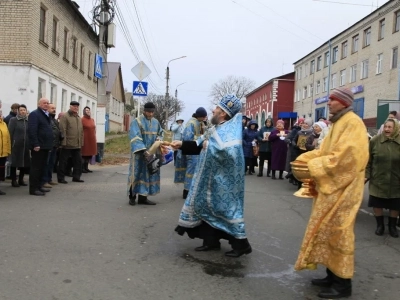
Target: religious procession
[{"x": 322, "y": 159}]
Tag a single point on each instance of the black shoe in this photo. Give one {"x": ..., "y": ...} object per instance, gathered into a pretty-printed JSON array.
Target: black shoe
[
  {"x": 77, "y": 180},
  {"x": 22, "y": 183},
  {"x": 132, "y": 200},
  {"x": 144, "y": 201},
  {"x": 392, "y": 227},
  {"x": 2, "y": 193},
  {"x": 37, "y": 193},
  {"x": 89, "y": 171},
  {"x": 63, "y": 181},
  {"x": 333, "y": 293},
  {"x": 323, "y": 282},
  {"x": 185, "y": 193},
  {"x": 259, "y": 175},
  {"x": 207, "y": 248},
  {"x": 281, "y": 178},
  {"x": 14, "y": 183},
  {"x": 380, "y": 227},
  {"x": 238, "y": 253},
  {"x": 44, "y": 190},
  {"x": 84, "y": 171}
]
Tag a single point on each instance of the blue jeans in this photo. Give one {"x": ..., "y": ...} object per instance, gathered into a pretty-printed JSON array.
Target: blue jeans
[{"x": 48, "y": 170}]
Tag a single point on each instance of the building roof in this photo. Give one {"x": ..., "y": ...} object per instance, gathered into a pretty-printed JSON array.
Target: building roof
[
  {"x": 360, "y": 21},
  {"x": 268, "y": 82},
  {"x": 75, "y": 7}
]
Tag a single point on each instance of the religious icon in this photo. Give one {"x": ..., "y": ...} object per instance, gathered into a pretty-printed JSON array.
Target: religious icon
[{"x": 301, "y": 142}]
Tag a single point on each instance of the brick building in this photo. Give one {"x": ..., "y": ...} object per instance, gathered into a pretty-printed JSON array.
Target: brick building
[
  {"x": 365, "y": 58},
  {"x": 48, "y": 50},
  {"x": 272, "y": 99}
]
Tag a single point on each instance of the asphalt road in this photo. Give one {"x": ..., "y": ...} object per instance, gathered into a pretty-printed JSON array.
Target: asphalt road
[{"x": 83, "y": 241}]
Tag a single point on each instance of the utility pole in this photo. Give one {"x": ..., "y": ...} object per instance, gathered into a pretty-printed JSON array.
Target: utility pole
[{"x": 103, "y": 15}]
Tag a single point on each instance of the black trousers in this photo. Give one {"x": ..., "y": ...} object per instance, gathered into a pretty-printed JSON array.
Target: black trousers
[
  {"x": 76, "y": 159},
  {"x": 38, "y": 163}
]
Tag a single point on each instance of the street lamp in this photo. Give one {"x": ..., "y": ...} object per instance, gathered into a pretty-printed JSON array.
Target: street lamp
[
  {"x": 176, "y": 97},
  {"x": 167, "y": 92}
]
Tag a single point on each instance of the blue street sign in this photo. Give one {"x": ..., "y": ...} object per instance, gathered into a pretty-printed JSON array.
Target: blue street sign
[
  {"x": 98, "y": 66},
  {"x": 139, "y": 88}
]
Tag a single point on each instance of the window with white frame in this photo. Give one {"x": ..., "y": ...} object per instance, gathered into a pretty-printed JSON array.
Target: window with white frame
[
  {"x": 335, "y": 54},
  {"x": 397, "y": 21},
  {"x": 381, "y": 33},
  {"x": 395, "y": 55},
  {"x": 344, "y": 49},
  {"x": 333, "y": 81},
  {"x": 305, "y": 70},
  {"x": 41, "y": 88},
  {"x": 54, "y": 42},
  {"x": 353, "y": 73},
  {"x": 312, "y": 66},
  {"x": 355, "y": 43},
  {"x": 364, "y": 69},
  {"x": 53, "y": 93},
  {"x": 300, "y": 72},
  {"x": 74, "y": 47},
  {"x": 73, "y": 97},
  {"x": 82, "y": 59},
  {"x": 310, "y": 90},
  {"x": 367, "y": 37},
  {"x": 379, "y": 63},
  {"x": 66, "y": 45},
  {"x": 319, "y": 61},
  {"x": 342, "y": 77},
  {"x": 63, "y": 100},
  {"x": 325, "y": 85},
  {"x": 305, "y": 92},
  {"x": 326, "y": 59},
  {"x": 318, "y": 87}
]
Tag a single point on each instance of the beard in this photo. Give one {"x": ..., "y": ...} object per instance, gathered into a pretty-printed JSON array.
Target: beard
[{"x": 214, "y": 120}]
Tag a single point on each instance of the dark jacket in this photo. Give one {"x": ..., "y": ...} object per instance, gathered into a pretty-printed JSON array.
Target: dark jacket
[
  {"x": 20, "y": 156},
  {"x": 265, "y": 146},
  {"x": 56, "y": 132},
  {"x": 8, "y": 118},
  {"x": 39, "y": 130},
  {"x": 248, "y": 137},
  {"x": 310, "y": 145}
]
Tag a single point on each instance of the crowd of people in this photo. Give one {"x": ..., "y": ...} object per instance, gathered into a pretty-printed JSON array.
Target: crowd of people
[
  {"x": 39, "y": 144},
  {"x": 212, "y": 158}
]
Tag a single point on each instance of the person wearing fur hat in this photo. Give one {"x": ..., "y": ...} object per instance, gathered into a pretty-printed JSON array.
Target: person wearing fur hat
[
  {"x": 337, "y": 170},
  {"x": 213, "y": 209},
  {"x": 144, "y": 131},
  {"x": 194, "y": 128}
]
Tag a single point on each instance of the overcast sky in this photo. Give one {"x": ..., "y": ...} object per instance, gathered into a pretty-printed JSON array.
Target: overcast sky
[{"x": 258, "y": 39}]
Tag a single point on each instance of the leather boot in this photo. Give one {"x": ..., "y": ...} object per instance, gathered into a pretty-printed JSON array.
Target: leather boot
[
  {"x": 84, "y": 168},
  {"x": 21, "y": 178},
  {"x": 392, "y": 227},
  {"x": 280, "y": 175},
  {"x": 380, "y": 225},
  {"x": 273, "y": 175},
  {"x": 143, "y": 200},
  {"x": 340, "y": 288},
  {"x": 14, "y": 183},
  {"x": 324, "y": 282}
]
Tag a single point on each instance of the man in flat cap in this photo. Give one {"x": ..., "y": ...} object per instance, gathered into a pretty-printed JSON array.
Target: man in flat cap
[
  {"x": 144, "y": 131},
  {"x": 213, "y": 209},
  {"x": 194, "y": 128},
  {"x": 338, "y": 171},
  {"x": 72, "y": 131}
]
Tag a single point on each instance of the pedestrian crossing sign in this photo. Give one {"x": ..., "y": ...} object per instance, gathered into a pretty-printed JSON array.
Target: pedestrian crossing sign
[
  {"x": 139, "y": 88},
  {"x": 98, "y": 66}
]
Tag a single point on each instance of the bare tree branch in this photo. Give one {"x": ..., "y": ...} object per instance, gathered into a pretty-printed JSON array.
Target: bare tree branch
[{"x": 239, "y": 86}]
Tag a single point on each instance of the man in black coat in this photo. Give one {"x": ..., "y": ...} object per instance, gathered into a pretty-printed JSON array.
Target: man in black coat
[
  {"x": 13, "y": 113},
  {"x": 41, "y": 142}
]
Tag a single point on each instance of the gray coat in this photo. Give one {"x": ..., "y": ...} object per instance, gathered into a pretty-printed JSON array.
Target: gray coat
[{"x": 20, "y": 156}]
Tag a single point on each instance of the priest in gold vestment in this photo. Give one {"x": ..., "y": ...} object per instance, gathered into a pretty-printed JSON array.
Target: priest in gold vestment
[{"x": 338, "y": 172}]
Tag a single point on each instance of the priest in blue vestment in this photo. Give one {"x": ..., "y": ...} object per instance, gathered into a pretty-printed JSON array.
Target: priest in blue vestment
[
  {"x": 213, "y": 209},
  {"x": 144, "y": 131}
]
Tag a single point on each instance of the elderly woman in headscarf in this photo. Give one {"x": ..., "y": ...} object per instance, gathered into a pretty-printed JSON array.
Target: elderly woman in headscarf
[
  {"x": 265, "y": 146},
  {"x": 89, "y": 147},
  {"x": 312, "y": 139},
  {"x": 20, "y": 156},
  {"x": 5, "y": 148},
  {"x": 383, "y": 174},
  {"x": 249, "y": 137},
  {"x": 279, "y": 148}
]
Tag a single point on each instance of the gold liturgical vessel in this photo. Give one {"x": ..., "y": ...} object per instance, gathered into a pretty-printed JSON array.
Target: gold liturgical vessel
[{"x": 301, "y": 172}]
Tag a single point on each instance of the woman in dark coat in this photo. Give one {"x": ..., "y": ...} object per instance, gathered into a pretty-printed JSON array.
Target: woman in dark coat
[
  {"x": 279, "y": 148},
  {"x": 20, "y": 157},
  {"x": 265, "y": 146},
  {"x": 249, "y": 136},
  {"x": 89, "y": 147}
]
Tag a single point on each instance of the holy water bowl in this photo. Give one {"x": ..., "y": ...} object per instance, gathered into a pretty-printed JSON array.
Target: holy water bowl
[{"x": 302, "y": 173}]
